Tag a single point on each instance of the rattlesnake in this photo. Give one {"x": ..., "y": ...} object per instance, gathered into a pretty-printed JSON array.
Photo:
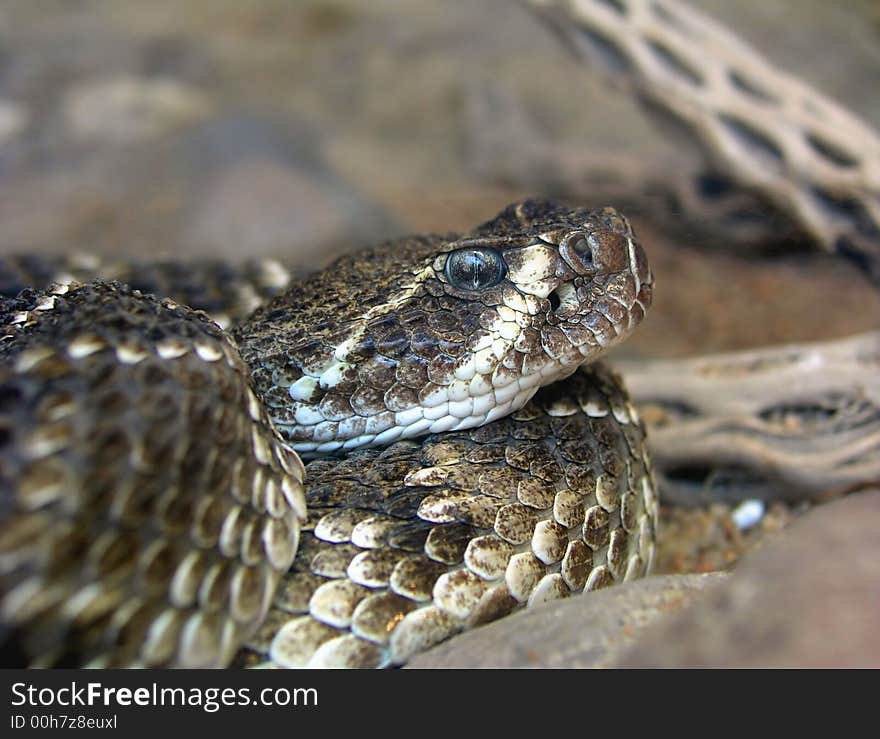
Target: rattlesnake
[
  {"x": 113, "y": 427},
  {"x": 154, "y": 510}
]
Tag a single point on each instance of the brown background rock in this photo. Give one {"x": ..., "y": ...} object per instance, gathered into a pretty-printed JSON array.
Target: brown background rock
[
  {"x": 582, "y": 631},
  {"x": 810, "y": 598}
]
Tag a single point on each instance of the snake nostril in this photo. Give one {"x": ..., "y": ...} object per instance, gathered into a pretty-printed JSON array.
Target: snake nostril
[{"x": 580, "y": 251}]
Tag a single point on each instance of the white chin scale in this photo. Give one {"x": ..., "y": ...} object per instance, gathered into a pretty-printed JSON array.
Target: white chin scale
[{"x": 449, "y": 411}]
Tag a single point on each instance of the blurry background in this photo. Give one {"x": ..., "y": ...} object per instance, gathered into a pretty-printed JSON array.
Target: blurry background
[{"x": 233, "y": 128}]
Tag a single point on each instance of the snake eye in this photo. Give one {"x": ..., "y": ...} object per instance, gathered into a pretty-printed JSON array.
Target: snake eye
[{"x": 474, "y": 269}]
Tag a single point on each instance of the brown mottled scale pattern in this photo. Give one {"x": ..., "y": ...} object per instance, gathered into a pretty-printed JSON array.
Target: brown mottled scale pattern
[
  {"x": 442, "y": 546},
  {"x": 130, "y": 535},
  {"x": 228, "y": 293},
  {"x": 152, "y": 512}
]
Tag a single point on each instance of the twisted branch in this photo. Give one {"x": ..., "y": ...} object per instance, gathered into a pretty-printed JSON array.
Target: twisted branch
[
  {"x": 792, "y": 422},
  {"x": 769, "y": 132}
]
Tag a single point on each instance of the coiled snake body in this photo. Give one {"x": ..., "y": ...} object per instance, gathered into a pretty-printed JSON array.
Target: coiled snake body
[{"x": 154, "y": 511}]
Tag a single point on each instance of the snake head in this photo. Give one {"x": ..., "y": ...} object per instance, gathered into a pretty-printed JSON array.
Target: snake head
[
  {"x": 432, "y": 334},
  {"x": 576, "y": 279}
]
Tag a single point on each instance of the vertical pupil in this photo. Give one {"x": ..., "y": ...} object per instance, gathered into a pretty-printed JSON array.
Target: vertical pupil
[{"x": 477, "y": 268}]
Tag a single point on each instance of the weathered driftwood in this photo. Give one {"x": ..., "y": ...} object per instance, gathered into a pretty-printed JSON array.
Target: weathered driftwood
[
  {"x": 771, "y": 133},
  {"x": 794, "y": 422},
  {"x": 676, "y": 193}
]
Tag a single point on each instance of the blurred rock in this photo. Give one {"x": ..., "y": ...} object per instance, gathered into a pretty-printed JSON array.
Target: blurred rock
[
  {"x": 13, "y": 118},
  {"x": 127, "y": 109},
  {"x": 810, "y": 598},
  {"x": 583, "y": 631},
  {"x": 259, "y": 207},
  {"x": 260, "y": 184}
]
